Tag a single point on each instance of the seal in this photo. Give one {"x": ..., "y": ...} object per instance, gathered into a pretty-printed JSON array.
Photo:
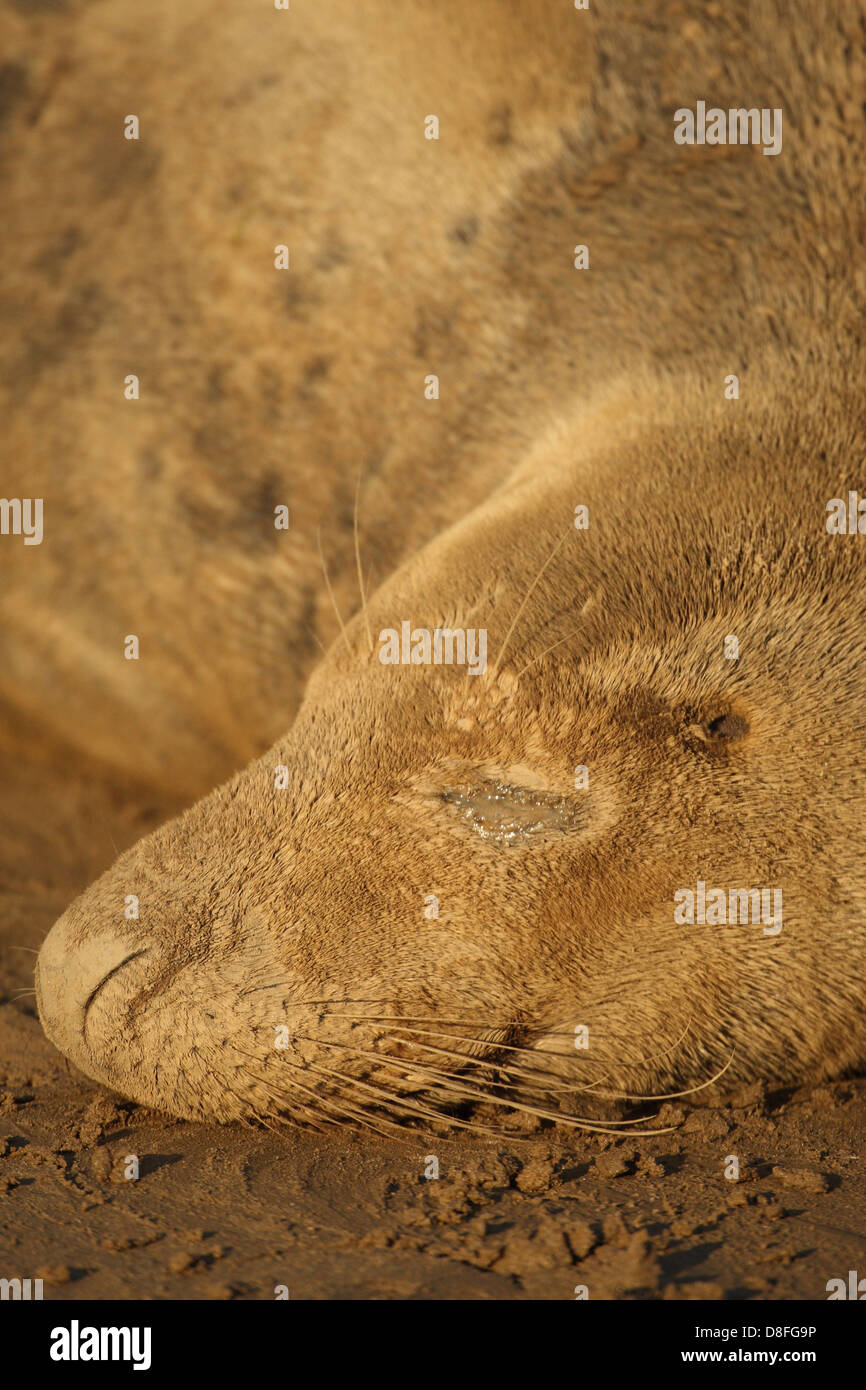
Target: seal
[{"x": 622, "y": 856}]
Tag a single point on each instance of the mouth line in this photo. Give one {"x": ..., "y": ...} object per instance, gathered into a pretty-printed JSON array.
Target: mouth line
[{"x": 110, "y": 976}]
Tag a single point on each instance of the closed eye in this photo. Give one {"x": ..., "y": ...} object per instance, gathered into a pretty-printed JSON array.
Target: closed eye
[{"x": 508, "y": 814}]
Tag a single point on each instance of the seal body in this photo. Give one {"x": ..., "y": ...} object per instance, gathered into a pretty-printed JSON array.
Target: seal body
[{"x": 544, "y": 880}]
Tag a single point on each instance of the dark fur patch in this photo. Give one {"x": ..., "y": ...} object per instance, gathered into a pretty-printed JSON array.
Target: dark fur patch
[
  {"x": 314, "y": 371},
  {"x": 465, "y": 230},
  {"x": 28, "y": 6},
  {"x": 13, "y": 88},
  {"x": 499, "y": 125}
]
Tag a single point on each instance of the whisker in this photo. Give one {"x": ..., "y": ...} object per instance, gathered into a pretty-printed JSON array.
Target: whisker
[
  {"x": 579, "y": 1122},
  {"x": 358, "y": 564},
  {"x": 536, "y": 1076},
  {"x": 526, "y": 597},
  {"x": 534, "y": 1053},
  {"x": 310, "y": 633},
  {"x": 299, "y": 1113},
  {"x": 346, "y": 1112},
  {"x": 404, "y": 1023},
  {"x": 331, "y": 593},
  {"x": 376, "y": 1018},
  {"x": 107, "y": 830},
  {"x": 547, "y": 651},
  {"x": 243, "y": 1117},
  {"x": 595, "y": 1126},
  {"x": 282, "y": 1094},
  {"x": 397, "y": 1018},
  {"x": 400, "y": 1100},
  {"x": 565, "y": 1057},
  {"x": 676, "y": 1095},
  {"x": 453, "y": 1086},
  {"x": 319, "y": 1124},
  {"x": 499, "y": 1066},
  {"x": 636, "y": 1062},
  {"x": 484, "y": 1042},
  {"x": 306, "y": 1114}
]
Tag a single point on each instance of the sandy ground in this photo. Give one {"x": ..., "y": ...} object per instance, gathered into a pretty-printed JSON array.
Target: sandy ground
[{"x": 226, "y": 1213}]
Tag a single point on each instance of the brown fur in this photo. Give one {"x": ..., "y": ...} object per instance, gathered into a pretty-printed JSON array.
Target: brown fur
[{"x": 558, "y": 387}]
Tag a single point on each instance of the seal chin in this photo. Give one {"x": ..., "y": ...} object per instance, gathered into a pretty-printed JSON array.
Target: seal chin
[{"x": 72, "y": 971}]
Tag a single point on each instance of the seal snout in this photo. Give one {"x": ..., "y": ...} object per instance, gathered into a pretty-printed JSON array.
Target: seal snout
[{"x": 73, "y": 969}]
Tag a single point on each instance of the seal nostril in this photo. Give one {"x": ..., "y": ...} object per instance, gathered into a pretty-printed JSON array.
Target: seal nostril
[
  {"x": 134, "y": 955},
  {"x": 75, "y": 962}
]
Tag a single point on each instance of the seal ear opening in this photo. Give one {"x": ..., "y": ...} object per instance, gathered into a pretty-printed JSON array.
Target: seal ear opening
[{"x": 727, "y": 726}]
